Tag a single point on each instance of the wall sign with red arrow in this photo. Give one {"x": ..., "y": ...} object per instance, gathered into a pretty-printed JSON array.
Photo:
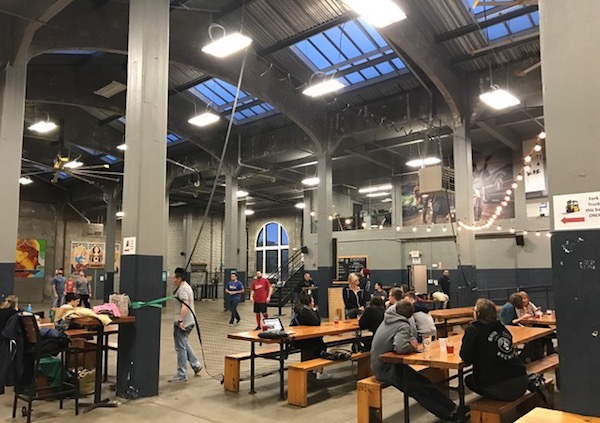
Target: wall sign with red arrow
[{"x": 576, "y": 211}]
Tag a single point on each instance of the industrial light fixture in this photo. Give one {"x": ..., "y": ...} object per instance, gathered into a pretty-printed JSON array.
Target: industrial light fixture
[
  {"x": 427, "y": 161},
  {"x": 227, "y": 44},
  {"x": 310, "y": 182},
  {"x": 498, "y": 98},
  {"x": 378, "y": 194},
  {"x": 379, "y": 13},
  {"x": 324, "y": 87},
  {"x": 299, "y": 205},
  {"x": 110, "y": 90},
  {"x": 24, "y": 180},
  {"x": 43, "y": 126},
  {"x": 73, "y": 164},
  {"x": 375, "y": 188},
  {"x": 387, "y": 200},
  {"x": 120, "y": 213},
  {"x": 204, "y": 119},
  {"x": 248, "y": 212},
  {"x": 122, "y": 147},
  {"x": 241, "y": 193}
]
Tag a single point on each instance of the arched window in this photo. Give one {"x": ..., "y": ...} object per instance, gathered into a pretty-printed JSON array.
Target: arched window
[{"x": 272, "y": 248}]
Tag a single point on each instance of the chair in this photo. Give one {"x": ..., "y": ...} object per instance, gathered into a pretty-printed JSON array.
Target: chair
[{"x": 30, "y": 392}]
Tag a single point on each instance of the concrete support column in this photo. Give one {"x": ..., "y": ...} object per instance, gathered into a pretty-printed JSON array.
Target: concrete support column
[
  {"x": 242, "y": 262},
  {"x": 571, "y": 104},
  {"x": 231, "y": 225},
  {"x": 107, "y": 287},
  {"x": 324, "y": 257},
  {"x": 143, "y": 194},
  {"x": 12, "y": 113},
  {"x": 463, "y": 182},
  {"x": 397, "y": 201}
]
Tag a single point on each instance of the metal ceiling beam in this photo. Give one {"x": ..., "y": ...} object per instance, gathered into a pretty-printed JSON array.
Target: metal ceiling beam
[
  {"x": 459, "y": 32},
  {"x": 414, "y": 37},
  {"x": 232, "y": 8},
  {"x": 504, "y": 135},
  {"x": 110, "y": 34},
  {"x": 306, "y": 34},
  {"x": 498, "y": 47}
]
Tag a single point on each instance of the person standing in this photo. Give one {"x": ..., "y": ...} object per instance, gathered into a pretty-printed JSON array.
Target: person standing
[
  {"x": 260, "y": 295},
  {"x": 83, "y": 289},
  {"x": 398, "y": 334},
  {"x": 355, "y": 299},
  {"x": 444, "y": 285},
  {"x": 235, "y": 289},
  {"x": 303, "y": 286},
  {"x": 58, "y": 288},
  {"x": 183, "y": 325},
  {"x": 365, "y": 279}
]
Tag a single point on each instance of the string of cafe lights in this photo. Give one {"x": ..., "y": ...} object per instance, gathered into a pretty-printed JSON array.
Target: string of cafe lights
[{"x": 509, "y": 194}]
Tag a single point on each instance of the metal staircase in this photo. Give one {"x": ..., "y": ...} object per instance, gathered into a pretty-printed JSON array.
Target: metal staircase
[{"x": 286, "y": 278}]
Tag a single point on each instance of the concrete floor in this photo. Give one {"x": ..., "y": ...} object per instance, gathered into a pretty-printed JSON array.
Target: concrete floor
[{"x": 202, "y": 399}]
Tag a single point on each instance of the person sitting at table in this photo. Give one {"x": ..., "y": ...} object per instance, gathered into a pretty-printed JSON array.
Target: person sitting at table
[
  {"x": 423, "y": 320},
  {"x": 355, "y": 299},
  {"x": 498, "y": 373},
  {"x": 379, "y": 292},
  {"x": 72, "y": 300},
  {"x": 396, "y": 295},
  {"x": 8, "y": 308},
  {"x": 397, "y": 334},
  {"x": 508, "y": 312},
  {"x": 531, "y": 309},
  {"x": 371, "y": 319},
  {"x": 306, "y": 315}
]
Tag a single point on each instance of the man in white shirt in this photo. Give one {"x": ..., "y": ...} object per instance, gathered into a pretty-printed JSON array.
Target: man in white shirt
[{"x": 183, "y": 325}]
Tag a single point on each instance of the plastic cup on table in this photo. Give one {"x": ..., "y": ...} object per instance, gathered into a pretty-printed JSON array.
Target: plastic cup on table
[
  {"x": 450, "y": 348},
  {"x": 426, "y": 343},
  {"x": 265, "y": 328},
  {"x": 443, "y": 345}
]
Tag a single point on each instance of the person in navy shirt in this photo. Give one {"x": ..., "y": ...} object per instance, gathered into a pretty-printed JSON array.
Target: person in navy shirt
[{"x": 235, "y": 289}]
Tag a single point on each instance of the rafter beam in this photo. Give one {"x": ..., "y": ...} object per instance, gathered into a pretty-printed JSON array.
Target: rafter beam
[{"x": 504, "y": 135}]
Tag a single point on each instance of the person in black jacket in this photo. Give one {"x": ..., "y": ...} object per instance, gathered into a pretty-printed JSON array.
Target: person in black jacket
[
  {"x": 355, "y": 299},
  {"x": 498, "y": 373},
  {"x": 8, "y": 308},
  {"x": 371, "y": 319},
  {"x": 306, "y": 315}
]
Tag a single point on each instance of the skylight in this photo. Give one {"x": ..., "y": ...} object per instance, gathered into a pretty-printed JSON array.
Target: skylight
[
  {"x": 354, "y": 51},
  {"x": 512, "y": 26},
  {"x": 171, "y": 137},
  {"x": 220, "y": 96}
]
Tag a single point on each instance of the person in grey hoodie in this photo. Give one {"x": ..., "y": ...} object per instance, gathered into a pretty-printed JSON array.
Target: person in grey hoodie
[{"x": 398, "y": 334}]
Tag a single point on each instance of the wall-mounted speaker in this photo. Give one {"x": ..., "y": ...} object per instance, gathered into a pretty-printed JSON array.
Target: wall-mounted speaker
[{"x": 520, "y": 240}]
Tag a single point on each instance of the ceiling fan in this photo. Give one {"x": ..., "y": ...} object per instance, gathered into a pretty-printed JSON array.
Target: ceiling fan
[{"x": 64, "y": 166}]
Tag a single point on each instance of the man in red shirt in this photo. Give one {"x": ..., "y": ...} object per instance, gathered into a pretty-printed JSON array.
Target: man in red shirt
[{"x": 260, "y": 295}]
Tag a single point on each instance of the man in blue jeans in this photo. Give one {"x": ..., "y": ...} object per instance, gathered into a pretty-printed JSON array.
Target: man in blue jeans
[
  {"x": 235, "y": 289},
  {"x": 183, "y": 325}
]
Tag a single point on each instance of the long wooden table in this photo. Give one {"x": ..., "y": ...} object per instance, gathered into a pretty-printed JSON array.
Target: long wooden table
[
  {"x": 295, "y": 333},
  {"x": 538, "y": 415},
  {"x": 442, "y": 360},
  {"x": 545, "y": 319}
]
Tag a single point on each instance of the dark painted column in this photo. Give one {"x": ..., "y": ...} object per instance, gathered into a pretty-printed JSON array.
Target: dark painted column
[
  {"x": 325, "y": 270},
  {"x": 144, "y": 194},
  {"x": 571, "y": 104},
  {"x": 463, "y": 283},
  {"x": 12, "y": 112}
]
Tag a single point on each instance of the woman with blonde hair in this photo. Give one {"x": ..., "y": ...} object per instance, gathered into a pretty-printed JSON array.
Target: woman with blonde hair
[
  {"x": 355, "y": 299},
  {"x": 8, "y": 308}
]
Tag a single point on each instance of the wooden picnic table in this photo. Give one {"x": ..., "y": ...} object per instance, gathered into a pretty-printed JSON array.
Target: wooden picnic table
[
  {"x": 545, "y": 415},
  {"x": 545, "y": 319},
  {"x": 442, "y": 360},
  {"x": 294, "y": 333}
]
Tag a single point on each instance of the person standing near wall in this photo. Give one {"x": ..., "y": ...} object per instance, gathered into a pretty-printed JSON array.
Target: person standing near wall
[
  {"x": 83, "y": 289},
  {"x": 444, "y": 285},
  {"x": 234, "y": 289},
  {"x": 58, "y": 289},
  {"x": 183, "y": 325},
  {"x": 260, "y": 295}
]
